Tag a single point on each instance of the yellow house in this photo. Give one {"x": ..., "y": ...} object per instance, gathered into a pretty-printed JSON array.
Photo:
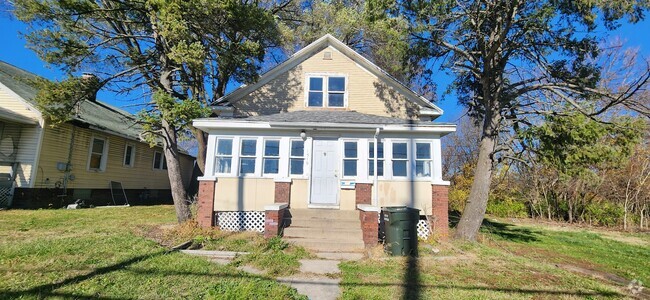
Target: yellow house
[
  {"x": 296, "y": 152},
  {"x": 97, "y": 157}
]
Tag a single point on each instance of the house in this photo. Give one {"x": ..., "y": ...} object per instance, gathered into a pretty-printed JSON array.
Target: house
[
  {"x": 44, "y": 166},
  {"x": 308, "y": 136}
]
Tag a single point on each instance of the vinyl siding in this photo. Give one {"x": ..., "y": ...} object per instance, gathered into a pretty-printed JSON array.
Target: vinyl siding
[
  {"x": 56, "y": 145},
  {"x": 25, "y": 138},
  {"x": 366, "y": 93},
  {"x": 10, "y": 102}
]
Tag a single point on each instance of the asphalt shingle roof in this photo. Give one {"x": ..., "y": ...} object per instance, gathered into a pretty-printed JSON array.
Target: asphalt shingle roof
[
  {"x": 97, "y": 113},
  {"x": 330, "y": 116}
]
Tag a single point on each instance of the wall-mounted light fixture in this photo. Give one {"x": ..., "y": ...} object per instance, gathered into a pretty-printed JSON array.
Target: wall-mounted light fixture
[{"x": 303, "y": 135}]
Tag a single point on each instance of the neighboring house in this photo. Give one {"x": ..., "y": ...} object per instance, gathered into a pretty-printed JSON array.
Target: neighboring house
[
  {"x": 45, "y": 166},
  {"x": 305, "y": 136}
]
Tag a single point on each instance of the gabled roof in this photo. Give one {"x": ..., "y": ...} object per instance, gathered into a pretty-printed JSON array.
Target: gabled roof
[
  {"x": 93, "y": 113},
  {"x": 310, "y": 50}
]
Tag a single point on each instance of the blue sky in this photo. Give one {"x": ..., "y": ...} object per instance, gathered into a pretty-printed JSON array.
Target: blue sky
[{"x": 14, "y": 51}]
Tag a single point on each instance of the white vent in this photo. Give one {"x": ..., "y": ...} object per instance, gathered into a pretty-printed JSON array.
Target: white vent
[
  {"x": 327, "y": 55},
  {"x": 241, "y": 220}
]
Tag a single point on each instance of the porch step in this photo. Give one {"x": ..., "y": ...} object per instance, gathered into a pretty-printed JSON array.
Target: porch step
[{"x": 324, "y": 230}]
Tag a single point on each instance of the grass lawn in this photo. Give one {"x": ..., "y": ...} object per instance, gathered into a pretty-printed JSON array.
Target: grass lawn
[
  {"x": 101, "y": 253},
  {"x": 511, "y": 262}
]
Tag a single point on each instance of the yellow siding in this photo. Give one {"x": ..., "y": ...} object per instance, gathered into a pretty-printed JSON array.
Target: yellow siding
[
  {"x": 248, "y": 194},
  {"x": 347, "y": 200},
  {"x": 366, "y": 93},
  {"x": 299, "y": 193},
  {"x": 55, "y": 149},
  {"x": 10, "y": 102},
  {"x": 413, "y": 194}
]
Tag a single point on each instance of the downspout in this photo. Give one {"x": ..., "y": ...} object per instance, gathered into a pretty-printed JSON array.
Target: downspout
[{"x": 375, "y": 184}]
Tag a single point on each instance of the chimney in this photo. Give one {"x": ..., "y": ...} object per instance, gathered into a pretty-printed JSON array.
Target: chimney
[{"x": 91, "y": 85}]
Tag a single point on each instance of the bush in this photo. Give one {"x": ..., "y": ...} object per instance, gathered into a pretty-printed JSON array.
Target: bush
[
  {"x": 507, "y": 209},
  {"x": 604, "y": 214}
]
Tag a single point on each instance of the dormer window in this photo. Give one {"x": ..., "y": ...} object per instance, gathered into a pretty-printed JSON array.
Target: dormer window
[{"x": 326, "y": 91}]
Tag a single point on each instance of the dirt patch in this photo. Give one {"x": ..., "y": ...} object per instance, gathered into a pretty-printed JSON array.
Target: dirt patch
[{"x": 631, "y": 287}]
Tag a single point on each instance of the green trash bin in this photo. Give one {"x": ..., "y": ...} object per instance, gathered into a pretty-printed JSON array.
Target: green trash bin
[{"x": 400, "y": 227}]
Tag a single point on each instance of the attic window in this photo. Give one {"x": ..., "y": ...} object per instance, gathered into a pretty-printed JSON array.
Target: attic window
[
  {"x": 326, "y": 91},
  {"x": 327, "y": 55}
]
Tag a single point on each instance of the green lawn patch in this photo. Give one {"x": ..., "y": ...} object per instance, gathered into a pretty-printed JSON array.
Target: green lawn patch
[
  {"x": 99, "y": 253},
  {"x": 576, "y": 247}
]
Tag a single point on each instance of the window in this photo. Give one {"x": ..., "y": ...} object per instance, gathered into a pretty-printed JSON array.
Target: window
[
  {"x": 326, "y": 91},
  {"x": 315, "y": 92},
  {"x": 380, "y": 161},
  {"x": 297, "y": 158},
  {"x": 223, "y": 162},
  {"x": 350, "y": 159},
  {"x": 400, "y": 159},
  {"x": 247, "y": 157},
  {"x": 422, "y": 159},
  {"x": 98, "y": 154},
  {"x": 271, "y": 161},
  {"x": 335, "y": 91},
  {"x": 159, "y": 161},
  {"x": 129, "y": 155}
]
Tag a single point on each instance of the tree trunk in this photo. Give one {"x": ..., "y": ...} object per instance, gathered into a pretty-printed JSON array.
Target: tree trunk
[
  {"x": 179, "y": 194},
  {"x": 474, "y": 211},
  {"x": 202, "y": 145}
]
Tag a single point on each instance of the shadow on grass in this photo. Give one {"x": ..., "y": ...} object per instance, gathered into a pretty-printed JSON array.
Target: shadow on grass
[
  {"x": 510, "y": 232},
  {"x": 411, "y": 286},
  {"x": 49, "y": 290},
  {"x": 505, "y": 231}
]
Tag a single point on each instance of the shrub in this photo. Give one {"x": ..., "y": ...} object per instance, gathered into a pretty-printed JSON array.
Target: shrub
[{"x": 604, "y": 213}]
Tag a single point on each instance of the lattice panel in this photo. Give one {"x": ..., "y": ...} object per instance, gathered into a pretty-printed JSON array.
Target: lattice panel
[
  {"x": 241, "y": 220},
  {"x": 423, "y": 229},
  {"x": 5, "y": 196}
]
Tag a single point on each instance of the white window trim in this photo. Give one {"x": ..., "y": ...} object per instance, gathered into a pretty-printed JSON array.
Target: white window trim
[
  {"x": 325, "y": 91},
  {"x": 103, "y": 162},
  {"x": 415, "y": 158},
  {"x": 303, "y": 157},
  {"x": 343, "y": 159},
  {"x": 217, "y": 155},
  {"x": 255, "y": 156},
  {"x": 162, "y": 160},
  {"x": 132, "y": 161},
  {"x": 392, "y": 158},
  {"x": 264, "y": 156},
  {"x": 370, "y": 159}
]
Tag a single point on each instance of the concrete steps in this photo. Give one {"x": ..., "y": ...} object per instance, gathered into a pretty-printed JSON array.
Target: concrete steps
[{"x": 324, "y": 230}]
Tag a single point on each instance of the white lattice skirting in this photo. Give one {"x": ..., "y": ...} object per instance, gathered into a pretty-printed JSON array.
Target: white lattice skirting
[
  {"x": 423, "y": 229},
  {"x": 241, "y": 220}
]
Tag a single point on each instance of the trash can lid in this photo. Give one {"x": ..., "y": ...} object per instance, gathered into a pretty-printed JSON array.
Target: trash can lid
[{"x": 394, "y": 208}]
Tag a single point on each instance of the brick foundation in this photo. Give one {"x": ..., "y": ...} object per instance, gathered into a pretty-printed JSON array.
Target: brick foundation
[
  {"x": 205, "y": 209},
  {"x": 440, "y": 211},
  {"x": 282, "y": 192},
  {"x": 273, "y": 220},
  {"x": 363, "y": 193},
  {"x": 369, "y": 227}
]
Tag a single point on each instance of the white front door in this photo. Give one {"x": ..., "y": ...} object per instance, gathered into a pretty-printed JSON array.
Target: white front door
[{"x": 324, "y": 173}]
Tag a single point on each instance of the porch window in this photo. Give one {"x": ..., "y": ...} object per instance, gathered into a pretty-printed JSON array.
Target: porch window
[
  {"x": 247, "y": 157},
  {"x": 423, "y": 159},
  {"x": 159, "y": 162},
  {"x": 349, "y": 159},
  {"x": 129, "y": 155},
  {"x": 297, "y": 158},
  {"x": 400, "y": 159},
  {"x": 271, "y": 161},
  {"x": 326, "y": 91},
  {"x": 224, "y": 156},
  {"x": 380, "y": 161},
  {"x": 98, "y": 154}
]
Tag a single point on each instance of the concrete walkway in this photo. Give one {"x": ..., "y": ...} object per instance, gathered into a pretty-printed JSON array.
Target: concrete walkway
[{"x": 318, "y": 278}]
